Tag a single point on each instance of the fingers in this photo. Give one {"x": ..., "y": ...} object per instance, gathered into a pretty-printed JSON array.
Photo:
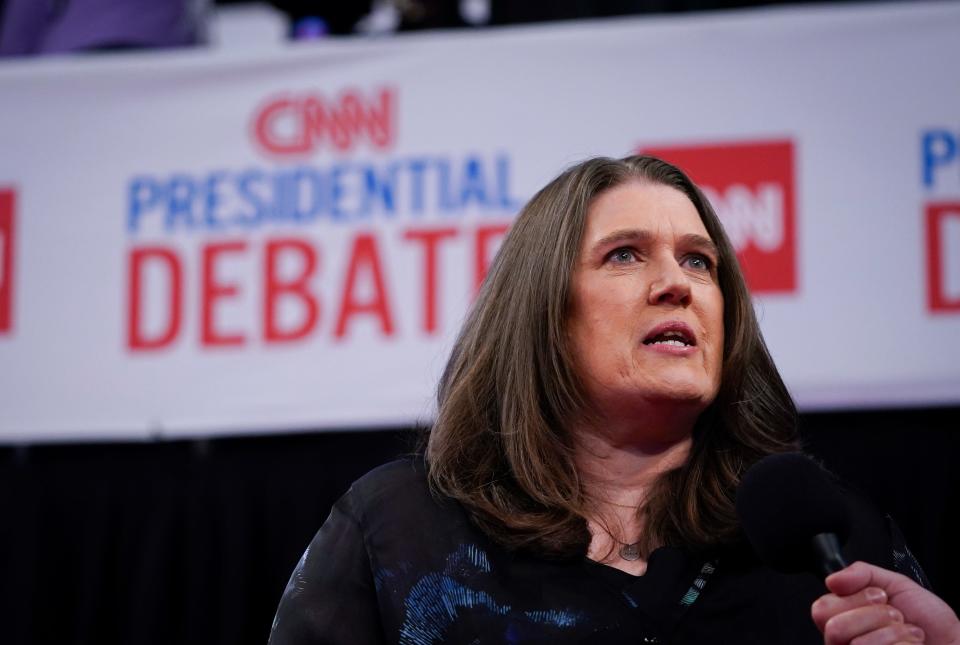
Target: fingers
[
  {"x": 830, "y": 605},
  {"x": 891, "y": 635},
  {"x": 853, "y": 613},
  {"x": 869, "y": 625}
]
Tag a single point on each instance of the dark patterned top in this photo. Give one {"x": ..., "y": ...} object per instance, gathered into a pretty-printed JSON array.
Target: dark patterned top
[{"x": 392, "y": 564}]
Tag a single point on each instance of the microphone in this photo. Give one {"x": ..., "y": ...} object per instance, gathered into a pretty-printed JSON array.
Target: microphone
[{"x": 793, "y": 514}]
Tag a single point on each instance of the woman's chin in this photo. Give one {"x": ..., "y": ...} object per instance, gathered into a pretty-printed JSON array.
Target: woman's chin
[
  {"x": 682, "y": 393},
  {"x": 672, "y": 409},
  {"x": 684, "y": 387}
]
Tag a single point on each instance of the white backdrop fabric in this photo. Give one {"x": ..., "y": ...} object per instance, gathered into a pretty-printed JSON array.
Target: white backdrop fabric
[{"x": 203, "y": 243}]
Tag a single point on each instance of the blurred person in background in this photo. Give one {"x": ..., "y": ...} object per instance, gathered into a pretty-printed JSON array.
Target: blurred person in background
[
  {"x": 33, "y": 27},
  {"x": 605, "y": 396}
]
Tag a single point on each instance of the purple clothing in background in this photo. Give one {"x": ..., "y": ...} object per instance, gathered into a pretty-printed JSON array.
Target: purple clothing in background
[{"x": 56, "y": 26}]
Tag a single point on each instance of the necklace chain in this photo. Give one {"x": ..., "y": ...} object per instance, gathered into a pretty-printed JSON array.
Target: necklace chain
[{"x": 629, "y": 551}]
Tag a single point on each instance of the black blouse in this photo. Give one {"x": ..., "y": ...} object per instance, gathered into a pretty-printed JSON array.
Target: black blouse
[{"x": 392, "y": 564}]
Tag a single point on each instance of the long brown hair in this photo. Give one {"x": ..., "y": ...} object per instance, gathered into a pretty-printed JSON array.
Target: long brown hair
[{"x": 500, "y": 445}]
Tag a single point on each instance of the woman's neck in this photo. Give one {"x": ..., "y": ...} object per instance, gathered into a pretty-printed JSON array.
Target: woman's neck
[
  {"x": 618, "y": 473},
  {"x": 618, "y": 466},
  {"x": 620, "y": 458}
]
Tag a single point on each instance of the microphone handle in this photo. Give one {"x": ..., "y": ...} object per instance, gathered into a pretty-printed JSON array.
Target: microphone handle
[{"x": 829, "y": 557}]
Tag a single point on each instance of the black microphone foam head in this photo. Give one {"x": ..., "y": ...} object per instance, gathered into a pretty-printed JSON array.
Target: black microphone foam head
[{"x": 784, "y": 501}]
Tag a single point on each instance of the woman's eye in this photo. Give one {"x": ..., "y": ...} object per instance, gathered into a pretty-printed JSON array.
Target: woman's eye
[
  {"x": 699, "y": 262},
  {"x": 621, "y": 256}
]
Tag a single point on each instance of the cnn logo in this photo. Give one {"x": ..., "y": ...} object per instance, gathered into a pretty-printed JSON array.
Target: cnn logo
[
  {"x": 754, "y": 216},
  {"x": 300, "y": 124},
  {"x": 751, "y": 186}
]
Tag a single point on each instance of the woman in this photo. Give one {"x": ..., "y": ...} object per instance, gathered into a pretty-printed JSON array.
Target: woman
[{"x": 604, "y": 397}]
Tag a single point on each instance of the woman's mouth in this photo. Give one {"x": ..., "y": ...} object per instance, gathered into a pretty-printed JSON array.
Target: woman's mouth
[
  {"x": 672, "y": 337},
  {"x": 673, "y": 333}
]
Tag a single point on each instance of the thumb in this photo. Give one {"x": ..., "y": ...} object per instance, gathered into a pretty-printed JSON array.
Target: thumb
[{"x": 861, "y": 575}]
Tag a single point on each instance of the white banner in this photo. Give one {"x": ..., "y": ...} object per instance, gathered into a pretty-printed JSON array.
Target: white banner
[{"x": 198, "y": 243}]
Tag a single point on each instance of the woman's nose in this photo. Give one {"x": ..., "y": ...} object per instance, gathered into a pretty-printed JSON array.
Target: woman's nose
[{"x": 671, "y": 285}]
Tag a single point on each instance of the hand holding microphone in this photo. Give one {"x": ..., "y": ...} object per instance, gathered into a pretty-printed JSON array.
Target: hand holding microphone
[
  {"x": 795, "y": 518},
  {"x": 863, "y": 595}
]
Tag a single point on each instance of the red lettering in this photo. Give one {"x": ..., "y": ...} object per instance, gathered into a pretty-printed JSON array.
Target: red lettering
[
  {"x": 364, "y": 257},
  {"x": 938, "y": 216},
  {"x": 486, "y": 238},
  {"x": 136, "y": 338},
  {"x": 265, "y": 128},
  {"x": 429, "y": 240},
  {"x": 213, "y": 291},
  {"x": 6, "y": 260},
  {"x": 297, "y": 287},
  {"x": 290, "y": 306},
  {"x": 351, "y": 119},
  {"x": 298, "y": 125}
]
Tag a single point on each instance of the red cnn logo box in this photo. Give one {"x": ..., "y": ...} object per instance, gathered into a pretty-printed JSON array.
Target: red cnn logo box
[
  {"x": 6, "y": 260},
  {"x": 943, "y": 231},
  {"x": 751, "y": 186}
]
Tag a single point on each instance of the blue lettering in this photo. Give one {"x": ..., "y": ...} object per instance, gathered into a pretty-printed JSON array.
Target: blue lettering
[
  {"x": 142, "y": 195},
  {"x": 939, "y": 148},
  {"x": 182, "y": 192},
  {"x": 247, "y": 194},
  {"x": 443, "y": 188},
  {"x": 213, "y": 200},
  {"x": 473, "y": 186},
  {"x": 337, "y": 193},
  {"x": 349, "y": 192},
  {"x": 284, "y": 196},
  {"x": 418, "y": 167},
  {"x": 308, "y": 194},
  {"x": 380, "y": 187}
]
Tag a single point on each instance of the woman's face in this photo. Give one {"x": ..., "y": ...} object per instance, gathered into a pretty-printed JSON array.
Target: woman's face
[{"x": 646, "y": 317}]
